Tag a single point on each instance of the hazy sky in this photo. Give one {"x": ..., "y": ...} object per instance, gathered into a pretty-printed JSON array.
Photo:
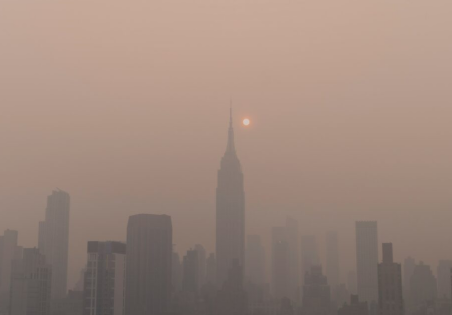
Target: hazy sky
[{"x": 124, "y": 104}]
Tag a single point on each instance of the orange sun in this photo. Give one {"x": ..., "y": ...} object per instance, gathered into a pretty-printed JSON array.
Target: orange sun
[{"x": 246, "y": 122}]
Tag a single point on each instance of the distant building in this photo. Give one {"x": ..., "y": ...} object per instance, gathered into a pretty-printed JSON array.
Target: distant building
[
  {"x": 148, "y": 265},
  {"x": 390, "y": 284},
  {"x": 332, "y": 262},
  {"x": 177, "y": 273},
  {"x": 293, "y": 240},
  {"x": 232, "y": 298},
  {"x": 190, "y": 282},
  {"x": 316, "y": 293},
  {"x": 54, "y": 240},
  {"x": 230, "y": 212},
  {"x": 309, "y": 254},
  {"x": 255, "y": 260},
  {"x": 443, "y": 274},
  {"x": 30, "y": 284},
  {"x": 202, "y": 257},
  {"x": 354, "y": 308},
  {"x": 9, "y": 251},
  {"x": 281, "y": 287},
  {"x": 211, "y": 272},
  {"x": 72, "y": 304},
  {"x": 423, "y": 288},
  {"x": 352, "y": 282},
  {"x": 367, "y": 260},
  {"x": 408, "y": 268},
  {"x": 104, "y": 284}
]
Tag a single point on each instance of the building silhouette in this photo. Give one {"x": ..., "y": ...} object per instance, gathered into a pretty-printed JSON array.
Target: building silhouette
[
  {"x": 31, "y": 281},
  {"x": 293, "y": 239},
  {"x": 232, "y": 298},
  {"x": 54, "y": 240},
  {"x": 148, "y": 264},
  {"x": 390, "y": 295},
  {"x": 316, "y": 293},
  {"x": 423, "y": 290},
  {"x": 354, "y": 308},
  {"x": 202, "y": 260},
  {"x": 211, "y": 270},
  {"x": 104, "y": 283},
  {"x": 9, "y": 251},
  {"x": 367, "y": 261},
  {"x": 176, "y": 273},
  {"x": 332, "y": 262},
  {"x": 255, "y": 260},
  {"x": 309, "y": 254},
  {"x": 443, "y": 274},
  {"x": 230, "y": 211},
  {"x": 281, "y": 284},
  {"x": 190, "y": 282},
  {"x": 408, "y": 268},
  {"x": 352, "y": 284}
]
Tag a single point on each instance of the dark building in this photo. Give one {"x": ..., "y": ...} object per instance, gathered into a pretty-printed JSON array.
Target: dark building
[
  {"x": 423, "y": 290},
  {"x": 230, "y": 211},
  {"x": 316, "y": 293},
  {"x": 148, "y": 264},
  {"x": 390, "y": 295},
  {"x": 443, "y": 275},
  {"x": 367, "y": 260},
  {"x": 408, "y": 268},
  {"x": 190, "y": 282},
  {"x": 104, "y": 283},
  {"x": 177, "y": 273},
  {"x": 202, "y": 260},
  {"x": 255, "y": 260},
  {"x": 30, "y": 284},
  {"x": 211, "y": 270},
  {"x": 354, "y": 308},
  {"x": 54, "y": 240},
  {"x": 309, "y": 254},
  {"x": 9, "y": 251}
]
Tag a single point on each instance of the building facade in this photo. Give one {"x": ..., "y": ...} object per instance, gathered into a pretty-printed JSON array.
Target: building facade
[
  {"x": 367, "y": 260},
  {"x": 104, "y": 283},
  {"x": 148, "y": 264},
  {"x": 9, "y": 251}
]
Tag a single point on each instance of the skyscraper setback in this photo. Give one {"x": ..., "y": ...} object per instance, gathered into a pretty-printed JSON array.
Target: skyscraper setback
[
  {"x": 230, "y": 211},
  {"x": 367, "y": 260},
  {"x": 54, "y": 239}
]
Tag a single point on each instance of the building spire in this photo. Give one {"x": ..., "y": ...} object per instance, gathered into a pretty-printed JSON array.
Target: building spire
[{"x": 231, "y": 145}]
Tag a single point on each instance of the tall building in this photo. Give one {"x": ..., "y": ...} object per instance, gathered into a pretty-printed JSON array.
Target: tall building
[
  {"x": 9, "y": 251},
  {"x": 390, "y": 296},
  {"x": 309, "y": 253},
  {"x": 443, "y": 274},
  {"x": 316, "y": 293},
  {"x": 255, "y": 260},
  {"x": 281, "y": 285},
  {"x": 423, "y": 288},
  {"x": 232, "y": 298},
  {"x": 30, "y": 284},
  {"x": 332, "y": 262},
  {"x": 190, "y": 282},
  {"x": 230, "y": 211},
  {"x": 177, "y": 273},
  {"x": 54, "y": 240},
  {"x": 202, "y": 257},
  {"x": 408, "y": 268},
  {"x": 211, "y": 269},
  {"x": 148, "y": 264},
  {"x": 354, "y": 308},
  {"x": 367, "y": 260},
  {"x": 104, "y": 283}
]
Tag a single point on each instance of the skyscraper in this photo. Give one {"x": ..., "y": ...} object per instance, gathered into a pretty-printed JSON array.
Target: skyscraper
[
  {"x": 443, "y": 275},
  {"x": 390, "y": 295},
  {"x": 408, "y": 268},
  {"x": 423, "y": 288},
  {"x": 280, "y": 263},
  {"x": 202, "y": 256},
  {"x": 190, "y": 282},
  {"x": 255, "y": 260},
  {"x": 104, "y": 282},
  {"x": 332, "y": 262},
  {"x": 316, "y": 293},
  {"x": 54, "y": 239},
  {"x": 9, "y": 251},
  {"x": 211, "y": 270},
  {"x": 30, "y": 284},
  {"x": 309, "y": 254},
  {"x": 230, "y": 211},
  {"x": 367, "y": 260},
  {"x": 148, "y": 264}
]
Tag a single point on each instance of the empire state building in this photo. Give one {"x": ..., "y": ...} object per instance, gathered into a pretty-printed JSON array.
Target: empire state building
[{"x": 230, "y": 215}]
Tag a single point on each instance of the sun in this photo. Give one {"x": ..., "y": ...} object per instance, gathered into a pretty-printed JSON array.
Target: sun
[{"x": 246, "y": 122}]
